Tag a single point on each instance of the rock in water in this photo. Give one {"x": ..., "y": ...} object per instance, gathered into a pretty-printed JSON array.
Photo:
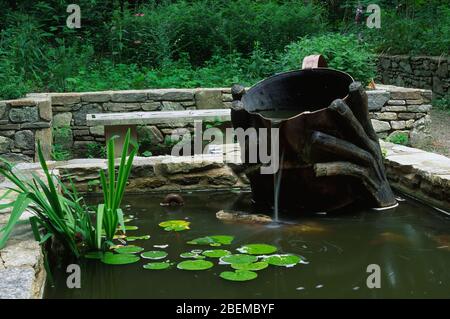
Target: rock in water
[
  {"x": 172, "y": 200},
  {"x": 242, "y": 217}
]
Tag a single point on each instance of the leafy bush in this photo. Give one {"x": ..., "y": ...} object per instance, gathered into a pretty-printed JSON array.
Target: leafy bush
[
  {"x": 401, "y": 138},
  {"x": 96, "y": 150},
  {"x": 419, "y": 30},
  {"x": 442, "y": 104},
  {"x": 156, "y": 33},
  {"x": 342, "y": 52}
]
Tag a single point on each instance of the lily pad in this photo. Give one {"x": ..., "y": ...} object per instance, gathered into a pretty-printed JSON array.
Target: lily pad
[
  {"x": 239, "y": 275},
  {"x": 94, "y": 255},
  {"x": 119, "y": 259},
  {"x": 216, "y": 240},
  {"x": 216, "y": 253},
  {"x": 257, "y": 249},
  {"x": 129, "y": 227},
  {"x": 157, "y": 266},
  {"x": 252, "y": 267},
  {"x": 130, "y": 249},
  {"x": 154, "y": 254},
  {"x": 191, "y": 255},
  {"x": 175, "y": 225},
  {"x": 238, "y": 259},
  {"x": 195, "y": 265},
  {"x": 287, "y": 260},
  {"x": 134, "y": 238}
]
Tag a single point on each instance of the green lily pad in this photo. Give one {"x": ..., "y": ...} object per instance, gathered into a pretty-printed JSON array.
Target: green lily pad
[
  {"x": 239, "y": 275},
  {"x": 157, "y": 266},
  {"x": 195, "y": 265},
  {"x": 130, "y": 249},
  {"x": 216, "y": 240},
  {"x": 119, "y": 259},
  {"x": 129, "y": 227},
  {"x": 252, "y": 267},
  {"x": 94, "y": 255},
  {"x": 191, "y": 254},
  {"x": 287, "y": 260},
  {"x": 216, "y": 253},
  {"x": 134, "y": 238},
  {"x": 257, "y": 249},
  {"x": 175, "y": 225},
  {"x": 238, "y": 259},
  {"x": 154, "y": 254}
]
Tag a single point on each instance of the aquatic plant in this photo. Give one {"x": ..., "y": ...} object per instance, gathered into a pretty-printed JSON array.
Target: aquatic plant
[
  {"x": 260, "y": 265},
  {"x": 61, "y": 212},
  {"x": 239, "y": 275},
  {"x": 216, "y": 240},
  {"x": 154, "y": 254},
  {"x": 238, "y": 259},
  {"x": 119, "y": 259},
  {"x": 130, "y": 249},
  {"x": 257, "y": 249},
  {"x": 175, "y": 225},
  {"x": 287, "y": 260},
  {"x": 157, "y": 265},
  {"x": 195, "y": 265},
  {"x": 63, "y": 215},
  {"x": 109, "y": 214}
]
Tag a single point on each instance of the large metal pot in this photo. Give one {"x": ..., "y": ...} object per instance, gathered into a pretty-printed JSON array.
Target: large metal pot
[{"x": 330, "y": 156}]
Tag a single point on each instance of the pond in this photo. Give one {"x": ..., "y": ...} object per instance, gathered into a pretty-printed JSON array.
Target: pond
[{"x": 410, "y": 243}]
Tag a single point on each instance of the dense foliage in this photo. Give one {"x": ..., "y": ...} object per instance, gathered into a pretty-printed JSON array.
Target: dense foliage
[{"x": 126, "y": 44}]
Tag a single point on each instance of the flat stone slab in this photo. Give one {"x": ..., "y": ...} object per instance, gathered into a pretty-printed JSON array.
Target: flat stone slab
[
  {"x": 431, "y": 163},
  {"x": 421, "y": 174},
  {"x": 162, "y": 117},
  {"x": 17, "y": 283}
]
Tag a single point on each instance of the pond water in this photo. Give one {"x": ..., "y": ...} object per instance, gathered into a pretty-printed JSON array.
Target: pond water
[{"x": 410, "y": 243}]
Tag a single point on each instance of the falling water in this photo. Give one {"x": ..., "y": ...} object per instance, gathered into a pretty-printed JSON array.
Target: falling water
[{"x": 276, "y": 186}]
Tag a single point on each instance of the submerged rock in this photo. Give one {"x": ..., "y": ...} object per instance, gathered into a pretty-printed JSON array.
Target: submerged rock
[{"x": 242, "y": 217}]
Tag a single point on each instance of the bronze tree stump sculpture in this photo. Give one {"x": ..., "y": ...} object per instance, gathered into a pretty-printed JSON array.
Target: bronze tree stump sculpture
[{"x": 330, "y": 156}]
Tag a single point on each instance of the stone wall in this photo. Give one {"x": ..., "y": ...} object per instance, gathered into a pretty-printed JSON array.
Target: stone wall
[
  {"x": 420, "y": 174},
  {"x": 23, "y": 123},
  {"x": 70, "y": 109},
  {"x": 418, "y": 72},
  {"x": 393, "y": 109},
  {"x": 406, "y": 111}
]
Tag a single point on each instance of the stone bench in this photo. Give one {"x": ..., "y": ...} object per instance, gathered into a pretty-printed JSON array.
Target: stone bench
[{"x": 118, "y": 123}]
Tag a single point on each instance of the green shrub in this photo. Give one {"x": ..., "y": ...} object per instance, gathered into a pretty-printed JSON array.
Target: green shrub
[
  {"x": 442, "y": 104},
  {"x": 342, "y": 52},
  {"x": 400, "y": 138},
  {"x": 96, "y": 150},
  {"x": 157, "y": 33},
  {"x": 59, "y": 153},
  {"x": 420, "y": 30}
]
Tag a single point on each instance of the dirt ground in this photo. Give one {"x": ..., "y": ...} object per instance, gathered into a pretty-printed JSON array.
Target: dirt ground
[{"x": 440, "y": 131}]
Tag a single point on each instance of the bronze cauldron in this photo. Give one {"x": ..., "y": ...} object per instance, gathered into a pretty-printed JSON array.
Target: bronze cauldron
[{"x": 329, "y": 151}]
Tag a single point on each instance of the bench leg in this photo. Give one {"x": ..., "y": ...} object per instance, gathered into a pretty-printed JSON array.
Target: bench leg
[{"x": 120, "y": 131}]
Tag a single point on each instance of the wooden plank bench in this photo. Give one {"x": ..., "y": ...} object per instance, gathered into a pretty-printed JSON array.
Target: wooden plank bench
[{"x": 119, "y": 123}]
